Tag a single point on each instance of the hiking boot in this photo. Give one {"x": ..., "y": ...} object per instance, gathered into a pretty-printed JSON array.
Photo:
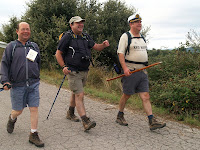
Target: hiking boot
[
  {"x": 121, "y": 120},
  {"x": 34, "y": 139},
  {"x": 11, "y": 124},
  {"x": 72, "y": 117},
  {"x": 154, "y": 124},
  {"x": 87, "y": 124}
]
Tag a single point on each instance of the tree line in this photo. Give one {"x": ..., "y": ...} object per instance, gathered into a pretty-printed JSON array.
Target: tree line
[{"x": 49, "y": 18}]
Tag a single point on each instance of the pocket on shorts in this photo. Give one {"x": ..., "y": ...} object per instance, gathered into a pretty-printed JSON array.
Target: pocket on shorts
[
  {"x": 72, "y": 81},
  {"x": 72, "y": 85}
]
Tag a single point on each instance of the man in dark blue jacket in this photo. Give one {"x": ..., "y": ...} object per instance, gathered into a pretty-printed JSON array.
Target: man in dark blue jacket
[{"x": 20, "y": 70}]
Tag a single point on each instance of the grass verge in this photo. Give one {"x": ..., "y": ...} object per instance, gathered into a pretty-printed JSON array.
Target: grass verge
[{"x": 134, "y": 103}]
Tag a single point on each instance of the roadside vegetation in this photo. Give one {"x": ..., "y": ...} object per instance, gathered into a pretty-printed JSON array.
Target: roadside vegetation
[{"x": 174, "y": 85}]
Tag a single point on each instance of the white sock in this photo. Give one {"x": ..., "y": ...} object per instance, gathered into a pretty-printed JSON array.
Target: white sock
[
  {"x": 12, "y": 117},
  {"x": 33, "y": 130}
]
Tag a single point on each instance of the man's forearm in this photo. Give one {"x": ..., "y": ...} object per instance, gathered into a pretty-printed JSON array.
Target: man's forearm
[
  {"x": 122, "y": 60},
  {"x": 59, "y": 58}
]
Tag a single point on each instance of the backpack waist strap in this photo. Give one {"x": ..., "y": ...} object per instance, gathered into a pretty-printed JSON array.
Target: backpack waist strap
[{"x": 134, "y": 62}]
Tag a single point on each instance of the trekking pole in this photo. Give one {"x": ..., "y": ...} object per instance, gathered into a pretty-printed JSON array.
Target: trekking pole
[
  {"x": 135, "y": 71},
  {"x": 56, "y": 96},
  {"x": 1, "y": 89},
  {"x": 8, "y": 85}
]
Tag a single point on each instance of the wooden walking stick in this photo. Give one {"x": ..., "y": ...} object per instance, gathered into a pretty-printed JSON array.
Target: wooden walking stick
[{"x": 135, "y": 71}]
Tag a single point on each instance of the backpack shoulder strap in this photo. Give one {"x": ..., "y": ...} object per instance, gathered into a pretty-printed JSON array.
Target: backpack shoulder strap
[
  {"x": 66, "y": 32},
  {"x": 14, "y": 43},
  {"x": 129, "y": 42},
  {"x": 61, "y": 35},
  {"x": 143, "y": 38},
  {"x": 85, "y": 36},
  {"x": 33, "y": 44}
]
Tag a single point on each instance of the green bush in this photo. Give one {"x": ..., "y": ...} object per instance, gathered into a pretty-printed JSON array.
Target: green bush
[{"x": 175, "y": 84}]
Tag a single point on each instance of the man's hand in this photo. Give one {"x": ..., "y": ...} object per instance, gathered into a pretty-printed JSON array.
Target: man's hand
[
  {"x": 66, "y": 71},
  {"x": 101, "y": 46},
  {"x": 106, "y": 43},
  {"x": 6, "y": 86},
  {"x": 127, "y": 72}
]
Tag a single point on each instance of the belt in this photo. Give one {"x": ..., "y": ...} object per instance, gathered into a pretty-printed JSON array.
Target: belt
[{"x": 135, "y": 62}]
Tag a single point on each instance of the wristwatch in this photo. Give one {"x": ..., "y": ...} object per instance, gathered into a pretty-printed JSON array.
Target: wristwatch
[{"x": 64, "y": 66}]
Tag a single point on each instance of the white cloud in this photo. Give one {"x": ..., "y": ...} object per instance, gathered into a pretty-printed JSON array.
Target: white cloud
[
  {"x": 169, "y": 20},
  {"x": 10, "y": 8}
]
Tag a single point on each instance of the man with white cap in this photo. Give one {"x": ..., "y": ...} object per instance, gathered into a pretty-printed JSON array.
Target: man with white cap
[
  {"x": 138, "y": 82},
  {"x": 74, "y": 56}
]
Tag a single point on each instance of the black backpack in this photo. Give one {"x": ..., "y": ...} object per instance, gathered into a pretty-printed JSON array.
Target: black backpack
[
  {"x": 73, "y": 36},
  {"x": 117, "y": 65}
]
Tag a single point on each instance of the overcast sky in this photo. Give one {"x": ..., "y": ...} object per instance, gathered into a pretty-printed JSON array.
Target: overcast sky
[{"x": 170, "y": 20}]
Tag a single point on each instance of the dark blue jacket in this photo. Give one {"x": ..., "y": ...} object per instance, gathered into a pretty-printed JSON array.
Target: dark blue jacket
[{"x": 16, "y": 68}]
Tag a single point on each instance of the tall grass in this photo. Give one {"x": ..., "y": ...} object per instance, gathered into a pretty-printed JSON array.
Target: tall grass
[{"x": 97, "y": 86}]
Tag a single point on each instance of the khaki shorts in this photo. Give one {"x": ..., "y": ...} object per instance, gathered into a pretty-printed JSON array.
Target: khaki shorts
[{"x": 77, "y": 80}]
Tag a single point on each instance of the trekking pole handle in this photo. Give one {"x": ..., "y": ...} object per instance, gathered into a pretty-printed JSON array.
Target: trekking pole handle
[
  {"x": 8, "y": 85},
  {"x": 135, "y": 71}
]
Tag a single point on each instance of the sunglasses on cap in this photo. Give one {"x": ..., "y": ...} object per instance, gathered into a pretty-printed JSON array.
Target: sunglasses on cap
[{"x": 137, "y": 18}]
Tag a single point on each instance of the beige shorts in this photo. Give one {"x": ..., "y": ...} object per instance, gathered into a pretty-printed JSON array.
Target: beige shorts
[{"x": 77, "y": 80}]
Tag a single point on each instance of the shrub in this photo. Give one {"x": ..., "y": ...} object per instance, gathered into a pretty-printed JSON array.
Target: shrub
[{"x": 175, "y": 84}]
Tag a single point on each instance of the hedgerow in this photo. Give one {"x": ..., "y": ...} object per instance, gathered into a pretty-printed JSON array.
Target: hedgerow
[{"x": 175, "y": 84}]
